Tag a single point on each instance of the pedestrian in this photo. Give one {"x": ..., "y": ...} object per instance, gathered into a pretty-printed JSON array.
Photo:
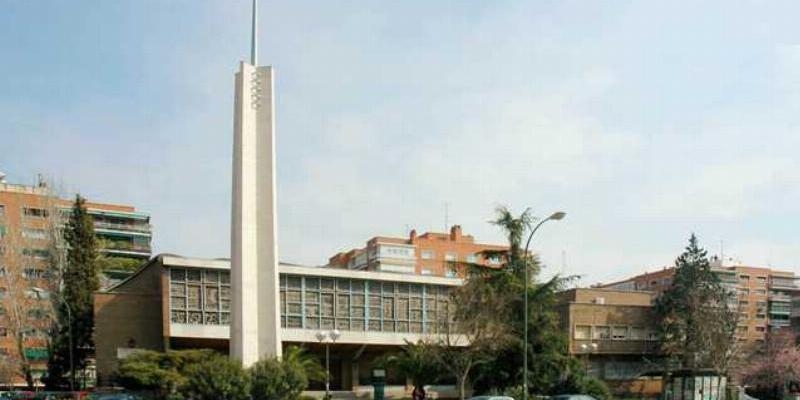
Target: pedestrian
[{"x": 418, "y": 393}]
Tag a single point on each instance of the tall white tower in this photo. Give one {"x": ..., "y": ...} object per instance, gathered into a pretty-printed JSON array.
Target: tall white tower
[{"x": 255, "y": 325}]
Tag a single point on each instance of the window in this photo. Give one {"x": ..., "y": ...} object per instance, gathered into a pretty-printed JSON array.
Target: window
[
  {"x": 744, "y": 278},
  {"x": 761, "y": 292},
  {"x": 426, "y": 271},
  {"x": 34, "y": 212},
  {"x": 619, "y": 332},
  {"x": 2, "y": 210},
  {"x": 761, "y": 329},
  {"x": 583, "y": 332},
  {"x": 653, "y": 283},
  {"x": 637, "y": 333},
  {"x": 33, "y": 273},
  {"x": 450, "y": 273},
  {"x": 450, "y": 257},
  {"x": 761, "y": 316},
  {"x": 2, "y": 230},
  {"x": 741, "y": 330},
  {"x": 31, "y": 233},
  {"x": 652, "y": 335},
  {"x": 744, "y": 303},
  {"x": 761, "y": 280},
  {"x": 36, "y": 314},
  {"x": 472, "y": 258},
  {"x": 36, "y": 253},
  {"x": 427, "y": 254},
  {"x": 743, "y": 292},
  {"x": 200, "y": 296},
  {"x": 601, "y": 332},
  {"x": 494, "y": 260},
  {"x": 3, "y": 331}
]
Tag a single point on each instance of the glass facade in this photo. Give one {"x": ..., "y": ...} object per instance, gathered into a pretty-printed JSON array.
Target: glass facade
[
  {"x": 312, "y": 302},
  {"x": 199, "y": 296},
  {"x": 202, "y": 296}
]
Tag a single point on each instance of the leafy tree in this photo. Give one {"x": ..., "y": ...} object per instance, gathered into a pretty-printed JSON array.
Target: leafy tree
[
  {"x": 492, "y": 300},
  {"x": 773, "y": 368},
  {"x": 74, "y": 305},
  {"x": 284, "y": 378},
  {"x": 548, "y": 356},
  {"x": 216, "y": 378},
  {"x": 414, "y": 361},
  {"x": 697, "y": 324}
]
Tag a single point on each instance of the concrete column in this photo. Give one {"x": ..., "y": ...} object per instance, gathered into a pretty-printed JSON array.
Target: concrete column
[
  {"x": 354, "y": 372},
  {"x": 255, "y": 322}
]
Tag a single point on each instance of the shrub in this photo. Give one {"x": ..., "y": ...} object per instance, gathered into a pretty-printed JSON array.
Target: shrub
[
  {"x": 217, "y": 377},
  {"x": 285, "y": 378}
]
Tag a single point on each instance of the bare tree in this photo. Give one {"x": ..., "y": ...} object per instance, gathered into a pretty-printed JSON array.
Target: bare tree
[
  {"x": 27, "y": 278},
  {"x": 774, "y": 366}
]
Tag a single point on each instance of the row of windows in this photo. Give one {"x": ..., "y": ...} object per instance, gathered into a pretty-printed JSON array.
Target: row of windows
[
  {"x": 746, "y": 292},
  {"x": 32, "y": 212},
  {"x": 614, "y": 332},
  {"x": 453, "y": 257},
  {"x": 29, "y": 293},
  {"x": 28, "y": 333}
]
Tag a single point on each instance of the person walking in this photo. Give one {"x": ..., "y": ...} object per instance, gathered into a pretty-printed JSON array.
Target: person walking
[{"x": 418, "y": 393}]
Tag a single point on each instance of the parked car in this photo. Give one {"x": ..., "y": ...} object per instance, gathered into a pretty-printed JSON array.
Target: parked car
[
  {"x": 115, "y": 396},
  {"x": 572, "y": 397}
]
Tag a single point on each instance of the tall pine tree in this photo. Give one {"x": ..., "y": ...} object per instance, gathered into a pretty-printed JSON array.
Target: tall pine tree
[
  {"x": 74, "y": 302},
  {"x": 697, "y": 323}
]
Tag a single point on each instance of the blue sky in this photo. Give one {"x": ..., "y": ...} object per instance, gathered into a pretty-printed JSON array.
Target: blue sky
[{"x": 644, "y": 121}]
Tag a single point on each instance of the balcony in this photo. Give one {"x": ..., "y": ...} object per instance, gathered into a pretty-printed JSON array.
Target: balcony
[
  {"x": 606, "y": 346},
  {"x": 123, "y": 248},
  {"x": 142, "y": 228},
  {"x": 778, "y": 323},
  {"x": 780, "y": 309},
  {"x": 784, "y": 285},
  {"x": 781, "y": 297}
]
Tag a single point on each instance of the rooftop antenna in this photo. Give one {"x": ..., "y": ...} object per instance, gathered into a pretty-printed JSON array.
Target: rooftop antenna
[
  {"x": 254, "y": 34},
  {"x": 446, "y": 217}
]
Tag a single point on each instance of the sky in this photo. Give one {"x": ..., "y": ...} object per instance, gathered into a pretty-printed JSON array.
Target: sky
[{"x": 645, "y": 121}]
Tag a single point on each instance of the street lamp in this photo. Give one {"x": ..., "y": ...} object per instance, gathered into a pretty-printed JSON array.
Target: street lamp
[
  {"x": 588, "y": 348},
  {"x": 322, "y": 336},
  {"x": 556, "y": 216},
  {"x": 40, "y": 293}
]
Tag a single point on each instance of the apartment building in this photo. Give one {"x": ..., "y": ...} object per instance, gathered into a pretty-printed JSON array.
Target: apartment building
[
  {"x": 176, "y": 302},
  {"x": 27, "y": 226},
  {"x": 431, "y": 253},
  {"x": 763, "y": 296},
  {"x": 614, "y": 332}
]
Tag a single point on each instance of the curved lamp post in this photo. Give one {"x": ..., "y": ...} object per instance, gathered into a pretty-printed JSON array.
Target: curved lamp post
[
  {"x": 40, "y": 295},
  {"x": 556, "y": 216},
  {"x": 322, "y": 336}
]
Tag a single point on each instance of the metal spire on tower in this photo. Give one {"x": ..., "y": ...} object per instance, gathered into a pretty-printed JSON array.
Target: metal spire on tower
[{"x": 254, "y": 34}]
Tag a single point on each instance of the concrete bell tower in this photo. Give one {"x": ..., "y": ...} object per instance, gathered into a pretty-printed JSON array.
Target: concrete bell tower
[{"x": 255, "y": 324}]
